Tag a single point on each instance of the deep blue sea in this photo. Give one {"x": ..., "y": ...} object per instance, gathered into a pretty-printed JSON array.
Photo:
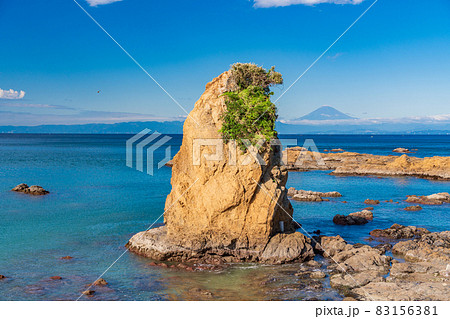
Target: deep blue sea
[{"x": 97, "y": 203}]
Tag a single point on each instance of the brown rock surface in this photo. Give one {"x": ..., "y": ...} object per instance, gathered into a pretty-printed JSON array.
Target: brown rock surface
[
  {"x": 88, "y": 292},
  {"x": 100, "y": 282},
  {"x": 430, "y": 247},
  {"x": 365, "y": 213},
  {"x": 310, "y": 196},
  {"x": 404, "y": 291},
  {"x": 397, "y": 231},
  {"x": 353, "y": 258},
  {"x": 349, "y": 163},
  {"x": 434, "y": 199},
  {"x": 413, "y": 208},
  {"x": 216, "y": 207}
]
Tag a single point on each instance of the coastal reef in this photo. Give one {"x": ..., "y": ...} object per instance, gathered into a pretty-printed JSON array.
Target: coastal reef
[{"x": 353, "y": 164}]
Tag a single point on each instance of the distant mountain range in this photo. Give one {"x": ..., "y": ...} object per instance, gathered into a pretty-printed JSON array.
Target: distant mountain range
[
  {"x": 325, "y": 113},
  {"x": 324, "y": 120}
]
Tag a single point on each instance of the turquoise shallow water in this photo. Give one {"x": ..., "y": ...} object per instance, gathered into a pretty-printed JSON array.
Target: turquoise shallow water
[{"x": 97, "y": 203}]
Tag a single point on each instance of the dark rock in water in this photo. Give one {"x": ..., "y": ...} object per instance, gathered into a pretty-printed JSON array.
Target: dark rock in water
[
  {"x": 55, "y": 277},
  {"x": 349, "y": 220},
  {"x": 413, "y": 208},
  {"x": 32, "y": 190},
  {"x": 371, "y": 202},
  {"x": 397, "y": 231},
  {"x": 368, "y": 208},
  {"x": 100, "y": 282}
]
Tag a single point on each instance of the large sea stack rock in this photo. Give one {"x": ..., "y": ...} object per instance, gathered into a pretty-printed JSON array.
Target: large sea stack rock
[{"x": 232, "y": 206}]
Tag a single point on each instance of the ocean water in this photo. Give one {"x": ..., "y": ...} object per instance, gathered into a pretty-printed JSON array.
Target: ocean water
[{"x": 97, "y": 203}]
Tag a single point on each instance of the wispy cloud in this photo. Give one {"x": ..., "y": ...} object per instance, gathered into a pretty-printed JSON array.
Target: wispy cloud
[
  {"x": 26, "y": 118},
  {"x": 335, "y": 56},
  {"x": 11, "y": 94},
  {"x": 434, "y": 119},
  {"x": 94, "y": 3},
  {"x": 285, "y": 3},
  {"x": 34, "y": 105}
]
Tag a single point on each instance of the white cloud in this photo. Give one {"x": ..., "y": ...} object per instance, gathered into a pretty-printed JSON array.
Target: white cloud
[
  {"x": 94, "y": 3},
  {"x": 11, "y": 94},
  {"x": 434, "y": 119},
  {"x": 285, "y": 3}
]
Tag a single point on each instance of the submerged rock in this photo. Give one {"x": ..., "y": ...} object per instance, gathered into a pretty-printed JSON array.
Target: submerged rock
[
  {"x": 231, "y": 206},
  {"x": 32, "y": 190},
  {"x": 397, "y": 231}
]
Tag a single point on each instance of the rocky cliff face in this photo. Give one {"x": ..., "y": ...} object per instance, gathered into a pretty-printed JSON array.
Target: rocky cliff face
[{"x": 229, "y": 205}]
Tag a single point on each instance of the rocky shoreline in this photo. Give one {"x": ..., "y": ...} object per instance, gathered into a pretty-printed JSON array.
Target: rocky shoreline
[
  {"x": 220, "y": 212},
  {"x": 354, "y": 164}
]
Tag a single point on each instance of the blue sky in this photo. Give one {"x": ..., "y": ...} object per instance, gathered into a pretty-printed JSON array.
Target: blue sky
[{"x": 53, "y": 60}]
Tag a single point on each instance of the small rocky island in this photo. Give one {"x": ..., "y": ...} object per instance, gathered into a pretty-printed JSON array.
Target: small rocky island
[
  {"x": 31, "y": 190},
  {"x": 232, "y": 208}
]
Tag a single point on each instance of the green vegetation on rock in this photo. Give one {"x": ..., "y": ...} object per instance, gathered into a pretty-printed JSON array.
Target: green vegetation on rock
[{"x": 250, "y": 115}]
